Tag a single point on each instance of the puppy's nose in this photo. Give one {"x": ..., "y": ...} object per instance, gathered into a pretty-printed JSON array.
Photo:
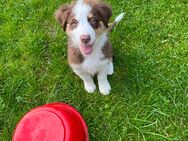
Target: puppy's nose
[{"x": 85, "y": 39}]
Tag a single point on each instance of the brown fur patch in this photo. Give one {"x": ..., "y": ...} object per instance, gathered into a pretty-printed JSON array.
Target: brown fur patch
[
  {"x": 74, "y": 56},
  {"x": 102, "y": 11},
  {"x": 107, "y": 50},
  {"x": 91, "y": 1},
  {"x": 62, "y": 14},
  {"x": 101, "y": 29}
]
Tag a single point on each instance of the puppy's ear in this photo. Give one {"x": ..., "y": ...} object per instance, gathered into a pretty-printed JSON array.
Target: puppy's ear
[
  {"x": 62, "y": 14},
  {"x": 105, "y": 11}
]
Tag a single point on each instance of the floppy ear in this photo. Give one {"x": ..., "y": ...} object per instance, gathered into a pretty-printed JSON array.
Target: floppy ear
[
  {"x": 62, "y": 14},
  {"x": 105, "y": 11}
]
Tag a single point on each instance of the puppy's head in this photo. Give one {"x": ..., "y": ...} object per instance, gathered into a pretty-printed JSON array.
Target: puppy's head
[{"x": 83, "y": 22}]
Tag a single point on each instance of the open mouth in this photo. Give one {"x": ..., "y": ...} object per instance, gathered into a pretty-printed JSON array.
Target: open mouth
[{"x": 86, "y": 49}]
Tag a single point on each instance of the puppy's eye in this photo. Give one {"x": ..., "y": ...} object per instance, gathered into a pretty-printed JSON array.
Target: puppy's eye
[
  {"x": 93, "y": 21},
  {"x": 74, "y": 23}
]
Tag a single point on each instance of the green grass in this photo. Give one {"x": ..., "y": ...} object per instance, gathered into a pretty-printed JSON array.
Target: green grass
[{"x": 149, "y": 99}]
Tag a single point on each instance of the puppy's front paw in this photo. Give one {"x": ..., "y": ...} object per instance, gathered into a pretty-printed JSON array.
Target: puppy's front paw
[
  {"x": 104, "y": 87},
  {"x": 90, "y": 87}
]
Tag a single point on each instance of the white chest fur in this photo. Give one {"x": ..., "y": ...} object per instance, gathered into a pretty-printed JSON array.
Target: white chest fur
[{"x": 94, "y": 63}]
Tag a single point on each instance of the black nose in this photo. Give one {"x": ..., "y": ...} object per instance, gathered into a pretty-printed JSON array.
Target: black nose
[{"x": 85, "y": 39}]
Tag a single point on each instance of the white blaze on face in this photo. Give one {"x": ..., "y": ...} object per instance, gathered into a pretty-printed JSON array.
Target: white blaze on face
[{"x": 81, "y": 11}]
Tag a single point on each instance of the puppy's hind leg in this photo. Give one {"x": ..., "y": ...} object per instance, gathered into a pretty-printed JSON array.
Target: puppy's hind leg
[{"x": 87, "y": 79}]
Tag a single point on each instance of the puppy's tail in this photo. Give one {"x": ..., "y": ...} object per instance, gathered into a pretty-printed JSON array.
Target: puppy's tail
[{"x": 117, "y": 20}]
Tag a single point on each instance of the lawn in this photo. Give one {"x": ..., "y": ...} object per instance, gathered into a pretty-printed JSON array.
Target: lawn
[{"x": 149, "y": 98}]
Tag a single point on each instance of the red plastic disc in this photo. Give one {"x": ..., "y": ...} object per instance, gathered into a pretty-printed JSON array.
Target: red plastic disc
[{"x": 52, "y": 122}]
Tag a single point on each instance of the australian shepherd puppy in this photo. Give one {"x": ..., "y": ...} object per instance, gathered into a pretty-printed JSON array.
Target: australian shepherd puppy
[{"x": 89, "y": 49}]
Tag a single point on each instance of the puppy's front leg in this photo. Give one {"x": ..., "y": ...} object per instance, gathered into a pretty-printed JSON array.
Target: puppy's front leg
[
  {"x": 87, "y": 79},
  {"x": 103, "y": 83}
]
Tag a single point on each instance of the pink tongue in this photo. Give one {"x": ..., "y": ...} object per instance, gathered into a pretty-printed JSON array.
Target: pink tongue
[{"x": 86, "y": 49}]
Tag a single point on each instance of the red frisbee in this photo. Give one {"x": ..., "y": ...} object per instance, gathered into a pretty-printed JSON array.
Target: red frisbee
[{"x": 52, "y": 122}]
